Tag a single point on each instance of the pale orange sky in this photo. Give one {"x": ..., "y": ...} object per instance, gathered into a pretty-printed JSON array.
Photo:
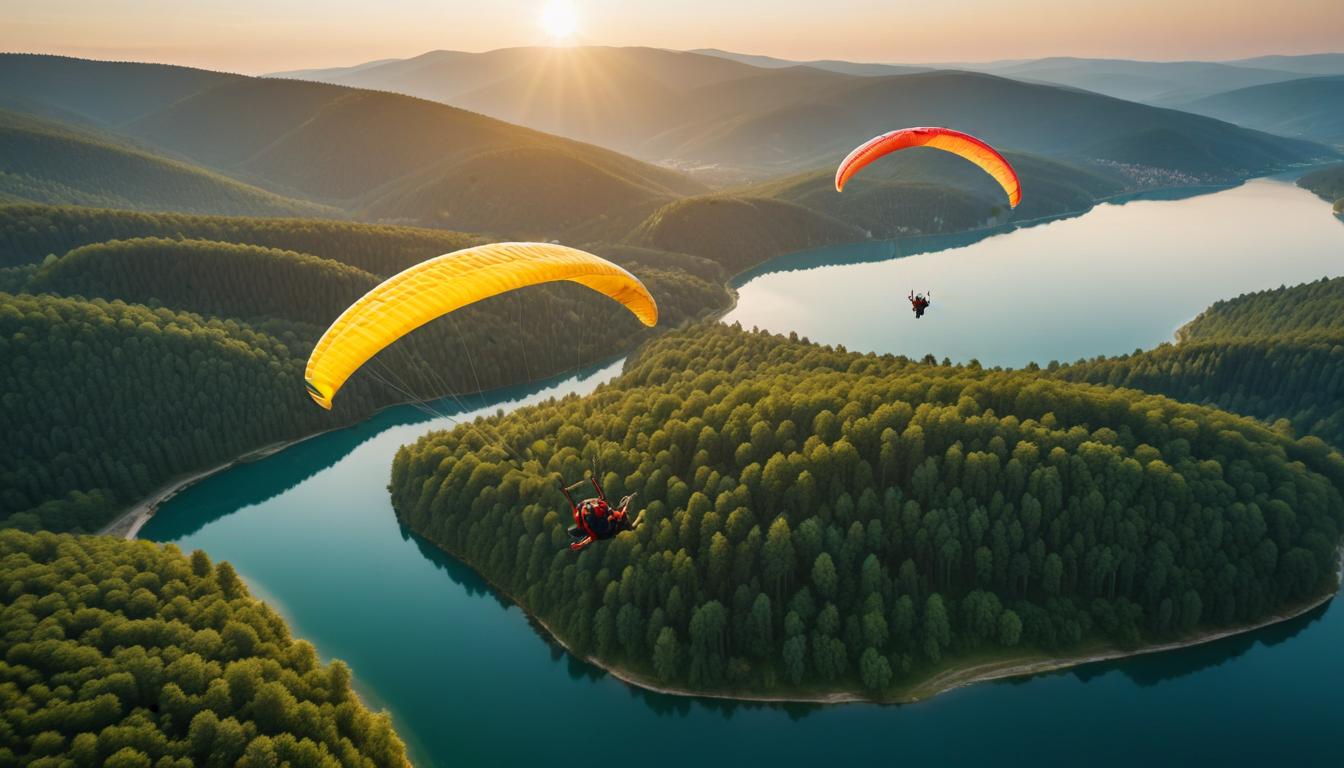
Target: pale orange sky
[{"x": 255, "y": 36}]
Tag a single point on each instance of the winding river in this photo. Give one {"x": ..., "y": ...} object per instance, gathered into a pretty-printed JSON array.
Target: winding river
[{"x": 469, "y": 681}]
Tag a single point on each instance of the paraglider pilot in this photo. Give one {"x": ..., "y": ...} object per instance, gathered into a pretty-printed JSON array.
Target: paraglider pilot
[
  {"x": 595, "y": 518},
  {"x": 919, "y": 303}
]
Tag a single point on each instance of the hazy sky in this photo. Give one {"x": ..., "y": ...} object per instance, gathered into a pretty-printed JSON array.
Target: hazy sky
[{"x": 266, "y": 35}]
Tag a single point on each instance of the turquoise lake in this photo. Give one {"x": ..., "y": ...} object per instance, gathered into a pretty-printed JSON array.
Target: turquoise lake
[
  {"x": 1122, "y": 276},
  {"x": 470, "y": 682}
]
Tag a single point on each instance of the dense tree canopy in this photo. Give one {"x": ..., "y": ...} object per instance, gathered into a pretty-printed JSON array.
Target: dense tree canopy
[
  {"x": 106, "y": 400},
  {"x": 30, "y": 233},
  {"x": 127, "y": 654},
  {"x": 1328, "y": 184},
  {"x": 1295, "y": 378},
  {"x": 827, "y": 520},
  {"x": 740, "y": 232},
  {"x": 1276, "y": 355},
  {"x": 1314, "y": 306},
  {"x": 209, "y": 277}
]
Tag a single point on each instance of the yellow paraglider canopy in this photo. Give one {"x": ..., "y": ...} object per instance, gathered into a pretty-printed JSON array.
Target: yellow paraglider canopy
[{"x": 449, "y": 282}]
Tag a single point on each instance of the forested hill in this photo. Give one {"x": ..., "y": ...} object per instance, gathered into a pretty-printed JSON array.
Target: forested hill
[
  {"x": 129, "y": 654},
  {"x": 1328, "y": 184},
  {"x": 45, "y": 162},
  {"x": 30, "y": 233},
  {"x": 1317, "y": 306},
  {"x": 133, "y": 361},
  {"x": 739, "y": 232},
  {"x": 210, "y": 277},
  {"x": 817, "y": 520},
  {"x": 1276, "y": 355},
  {"x": 908, "y": 194}
]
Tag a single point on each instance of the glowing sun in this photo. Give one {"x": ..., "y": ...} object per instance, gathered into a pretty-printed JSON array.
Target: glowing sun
[{"x": 560, "y": 19}]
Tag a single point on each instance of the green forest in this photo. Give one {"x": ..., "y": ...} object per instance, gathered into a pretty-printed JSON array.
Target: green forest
[
  {"x": 1328, "y": 184},
  {"x": 134, "y": 361},
  {"x": 128, "y": 654},
  {"x": 31, "y": 233},
  {"x": 1315, "y": 306},
  {"x": 818, "y": 519},
  {"x": 1277, "y": 355}
]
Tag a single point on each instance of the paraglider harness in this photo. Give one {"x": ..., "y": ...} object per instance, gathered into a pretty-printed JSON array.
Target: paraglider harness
[
  {"x": 595, "y": 518},
  {"x": 920, "y": 303}
]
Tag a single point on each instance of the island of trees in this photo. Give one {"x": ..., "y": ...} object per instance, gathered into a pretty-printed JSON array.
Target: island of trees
[
  {"x": 817, "y": 520},
  {"x": 131, "y": 655}
]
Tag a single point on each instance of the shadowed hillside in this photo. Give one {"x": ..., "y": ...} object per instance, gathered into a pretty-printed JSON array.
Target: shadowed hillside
[
  {"x": 210, "y": 277},
  {"x": 1310, "y": 108},
  {"x": 739, "y": 232},
  {"x": 1153, "y": 82},
  {"x": 1328, "y": 184},
  {"x": 29, "y": 233},
  {"x": 97, "y": 92},
  {"x": 46, "y": 162}
]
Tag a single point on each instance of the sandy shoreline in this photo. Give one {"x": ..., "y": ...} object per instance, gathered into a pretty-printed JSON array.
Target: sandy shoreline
[
  {"x": 942, "y": 682},
  {"x": 127, "y": 525}
]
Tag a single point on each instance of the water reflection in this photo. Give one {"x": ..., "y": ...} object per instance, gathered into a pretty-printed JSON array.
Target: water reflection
[
  {"x": 1145, "y": 671},
  {"x": 1153, "y": 669},
  {"x": 257, "y": 482},
  {"x": 877, "y": 251},
  {"x": 1125, "y": 275}
]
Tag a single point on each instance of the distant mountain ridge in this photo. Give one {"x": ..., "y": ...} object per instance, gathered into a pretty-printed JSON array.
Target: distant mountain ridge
[
  {"x": 369, "y": 154},
  {"x": 723, "y": 113},
  {"x": 1309, "y": 108},
  {"x": 863, "y": 69},
  {"x": 1160, "y": 83}
]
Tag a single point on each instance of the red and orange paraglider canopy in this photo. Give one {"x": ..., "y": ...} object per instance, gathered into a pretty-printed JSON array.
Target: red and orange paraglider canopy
[{"x": 946, "y": 139}]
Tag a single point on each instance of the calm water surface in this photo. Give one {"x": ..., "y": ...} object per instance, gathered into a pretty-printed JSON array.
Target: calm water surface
[
  {"x": 1124, "y": 275},
  {"x": 469, "y": 682}
]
